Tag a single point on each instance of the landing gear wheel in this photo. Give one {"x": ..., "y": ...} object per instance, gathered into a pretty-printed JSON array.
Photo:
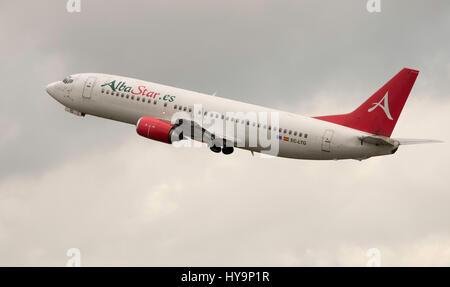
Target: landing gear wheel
[
  {"x": 227, "y": 150},
  {"x": 215, "y": 149}
]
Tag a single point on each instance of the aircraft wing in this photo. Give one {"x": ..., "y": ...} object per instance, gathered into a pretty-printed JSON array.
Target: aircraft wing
[
  {"x": 379, "y": 140},
  {"x": 196, "y": 131}
]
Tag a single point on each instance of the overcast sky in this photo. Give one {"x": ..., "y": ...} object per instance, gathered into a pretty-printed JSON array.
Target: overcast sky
[{"x": 93, "y": 184}]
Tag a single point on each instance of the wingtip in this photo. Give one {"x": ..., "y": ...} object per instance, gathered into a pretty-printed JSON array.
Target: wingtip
[{"x": 417, "y": 141}]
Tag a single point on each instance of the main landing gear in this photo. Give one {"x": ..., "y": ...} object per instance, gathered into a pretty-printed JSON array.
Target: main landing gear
[
  {"x": 225, "y": 150},
  {"x": 216, "y": 149},
  {"x": 220, "y": 145}
]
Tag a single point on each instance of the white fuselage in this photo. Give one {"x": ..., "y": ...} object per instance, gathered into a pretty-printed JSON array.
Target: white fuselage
[{"x": 127, "y": 100}]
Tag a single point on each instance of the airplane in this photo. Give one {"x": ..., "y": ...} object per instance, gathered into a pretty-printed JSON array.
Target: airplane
[{"x": 172, "y": 115}]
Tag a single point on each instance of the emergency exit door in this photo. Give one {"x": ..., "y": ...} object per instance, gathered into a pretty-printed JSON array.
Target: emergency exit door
[
  {"x": 89, "y": 85},
  {"x": 326, "y": 140}
]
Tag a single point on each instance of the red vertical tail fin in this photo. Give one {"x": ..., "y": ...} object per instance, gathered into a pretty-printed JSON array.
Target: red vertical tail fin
[{"x": 379, "y": 114}]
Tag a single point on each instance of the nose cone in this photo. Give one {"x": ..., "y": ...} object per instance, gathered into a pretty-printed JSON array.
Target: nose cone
[{"x": 51, "y": 89}]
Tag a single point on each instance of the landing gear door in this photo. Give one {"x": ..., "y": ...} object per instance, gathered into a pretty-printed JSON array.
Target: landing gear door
[
  {"x": 326, "y": 140},
  {"x": 88, "y": 86}
]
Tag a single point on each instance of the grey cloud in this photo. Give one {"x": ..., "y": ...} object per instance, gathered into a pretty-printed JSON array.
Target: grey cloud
[{"x": 145, "y": 203}]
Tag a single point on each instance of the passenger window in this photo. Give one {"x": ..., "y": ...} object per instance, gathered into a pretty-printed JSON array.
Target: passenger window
[
  {"x": 290, "y": 132},
  {"x": 280, "y": 130},
  {"x": 103, "y": 90},
  {"x": 132, "y": 97},
  {"x": 107, "y": 92},
  {"x": 223, "y": 117},
  {"x": 154, "y": 102},
  {"x": 295, "y": 133},
  {"x": 306, "y": 136},
  {"x": 165, "y": 104},
  {"x": 143, "y": 99},
  {"x": 299, "y": 134},
  {"x": 175, "y": 107},
  {"x": 190, "y": 109},
  {"x": 138, "y": 98},
  {"x": 180, "y": 107}
]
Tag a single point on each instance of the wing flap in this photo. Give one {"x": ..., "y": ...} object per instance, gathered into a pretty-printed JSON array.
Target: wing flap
[{"x": 203, "y": 134}]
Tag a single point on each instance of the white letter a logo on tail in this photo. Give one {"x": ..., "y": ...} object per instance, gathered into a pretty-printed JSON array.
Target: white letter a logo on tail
[{"x": 384, "y": 106}]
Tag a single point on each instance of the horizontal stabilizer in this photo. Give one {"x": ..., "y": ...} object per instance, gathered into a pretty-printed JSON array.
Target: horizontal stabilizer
[
  {"x": 417, "y": 141},
  {"x": 379, "y": 140}
]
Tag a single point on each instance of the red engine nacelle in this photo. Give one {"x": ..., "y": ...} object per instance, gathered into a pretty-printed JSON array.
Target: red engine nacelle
[{"x": 159, "y": 130}]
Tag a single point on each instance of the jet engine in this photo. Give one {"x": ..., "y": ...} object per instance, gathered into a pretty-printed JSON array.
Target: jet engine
[{"x": 158, "y": 130}]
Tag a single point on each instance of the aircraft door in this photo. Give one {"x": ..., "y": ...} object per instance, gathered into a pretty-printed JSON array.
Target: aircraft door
[
  {"x": 89, "y": 85},
  {"x": 326, "y": 140}
]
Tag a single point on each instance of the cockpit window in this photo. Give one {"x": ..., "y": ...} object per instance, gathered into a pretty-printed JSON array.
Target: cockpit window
[{"x": 67, "y": 80}]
